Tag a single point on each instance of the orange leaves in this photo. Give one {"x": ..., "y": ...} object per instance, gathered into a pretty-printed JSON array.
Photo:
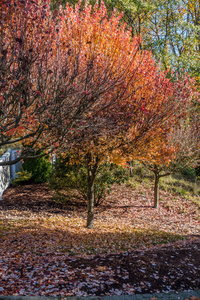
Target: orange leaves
[
  {"x": 117, "y": 158},
  {"x": 96, "y": 38},
  {"x": 11, "y": 132},
  {"x": 81, "y": 75},
  {"x": 130, "y": 101}
]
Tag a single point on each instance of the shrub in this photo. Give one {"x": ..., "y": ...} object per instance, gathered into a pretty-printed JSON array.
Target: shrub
[
  {"x": 23, "y": 177},
  {"x": 106, "y": 176},
  {"x": 39, "y": 167},
  {"x": 197, "y": 171},
  {"x": 70, "y": 180},
  {"x": 189, "y": 173}
]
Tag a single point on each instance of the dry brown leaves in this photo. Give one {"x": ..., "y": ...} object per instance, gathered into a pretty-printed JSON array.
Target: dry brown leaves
[{"x": 46, "y": 249}]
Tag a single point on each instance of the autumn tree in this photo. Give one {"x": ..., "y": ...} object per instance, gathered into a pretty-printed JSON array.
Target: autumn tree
[
  {"x": 27, "y": 40},
  {"x": 174, "y": 151},
  {"x": 125, "y": 96},
  {"x": 53, "y": 73},
  {"x": 34, "y": 77},
  {"x": 170, "y": 29},
  {"x": 135, "y": 13},
  {"x": 105, "y": 72}
]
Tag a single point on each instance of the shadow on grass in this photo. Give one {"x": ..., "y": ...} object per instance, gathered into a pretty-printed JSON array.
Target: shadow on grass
[
  {"x": 36, "y": 198},
  {"x": 39, "y": 198},
  {"x": 132, "y": 264}
]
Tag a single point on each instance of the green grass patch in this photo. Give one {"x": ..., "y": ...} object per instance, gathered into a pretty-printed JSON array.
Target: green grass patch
[
  {"x": 119, "y": 241},
  {"x": 176, "y": 184}
]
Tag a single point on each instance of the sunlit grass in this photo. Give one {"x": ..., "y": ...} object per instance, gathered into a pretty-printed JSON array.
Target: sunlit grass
[
  {"x": 70, "y": 236},
  {"x": 175, "y": 184}
]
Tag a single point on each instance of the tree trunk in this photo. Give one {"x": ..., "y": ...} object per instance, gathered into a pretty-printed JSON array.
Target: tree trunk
[
  {"x": 90, "y": 200},
  {"x": 92, "y": 171},
  {"x": 156, "y": 190},
  {"x": 131, "y": 168}
]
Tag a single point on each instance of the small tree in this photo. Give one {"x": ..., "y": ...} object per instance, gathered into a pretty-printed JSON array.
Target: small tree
[
  {"x": 124, "y": 97},
  {"x": 174, "y": 152}
]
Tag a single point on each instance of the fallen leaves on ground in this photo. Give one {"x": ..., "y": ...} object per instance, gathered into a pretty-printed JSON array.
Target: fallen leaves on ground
[
  {"x": 46, "y": 249},
  {"x": 193, "y": 298}
]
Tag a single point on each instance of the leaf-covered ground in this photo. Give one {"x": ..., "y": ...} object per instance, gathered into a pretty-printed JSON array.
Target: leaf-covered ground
[{"x": 45, "y": 248}]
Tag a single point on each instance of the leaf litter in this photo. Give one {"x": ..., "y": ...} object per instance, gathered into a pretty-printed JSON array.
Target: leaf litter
[{"x": 46, "y": 250}]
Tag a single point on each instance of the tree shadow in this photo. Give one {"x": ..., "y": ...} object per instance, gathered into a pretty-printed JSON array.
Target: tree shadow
[
  {"x": 85, "y": 255},
  {"x": 37, "y": 198}
]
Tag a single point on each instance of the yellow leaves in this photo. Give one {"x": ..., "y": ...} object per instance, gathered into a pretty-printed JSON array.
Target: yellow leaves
[{"x": 117, "y": 158}]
